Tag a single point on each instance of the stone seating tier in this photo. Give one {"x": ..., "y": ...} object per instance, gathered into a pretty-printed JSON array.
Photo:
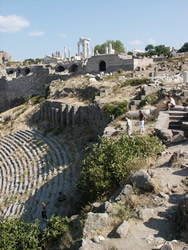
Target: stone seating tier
[{"x": 33, "y": 168}]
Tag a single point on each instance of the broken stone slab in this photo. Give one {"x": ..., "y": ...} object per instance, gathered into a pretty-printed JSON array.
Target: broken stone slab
[
  {"x": 164, "y": 134},
  {"x": 94, "y": 223},
  {"x": 167, "y": 246},
  {"x": 127, "y": 189},
  {"x": 122, "y": 230},
  {"x": 178, "y": 138},
  {"x": 145, "y": 213},
  {"x": 141, "y": 179}
]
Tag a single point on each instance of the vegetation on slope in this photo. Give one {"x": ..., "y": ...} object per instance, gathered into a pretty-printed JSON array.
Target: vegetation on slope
[{"x": 109, "y": 164}]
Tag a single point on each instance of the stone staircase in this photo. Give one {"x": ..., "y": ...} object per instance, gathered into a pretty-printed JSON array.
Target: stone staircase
[
  {"x": 178, "y": 121},
  {"x": 34, "y": 168}
]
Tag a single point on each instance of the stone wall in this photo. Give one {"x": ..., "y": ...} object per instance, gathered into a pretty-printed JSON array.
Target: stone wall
[
  {"x": 138, "y": 62},
  {"x": 63, "y": 114},
  {"x": 35, "y": 82},
  {"x": 113, "y": 62}
]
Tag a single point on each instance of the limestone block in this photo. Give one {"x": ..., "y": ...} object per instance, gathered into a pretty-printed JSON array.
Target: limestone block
[
  {"x": 178, "y": 138},
  {"x": 122, "y": 230},
  {"x": 127, "y": 189},
  {"x": 146, "y": 213},
  {"x": 141, "y": 179},
  {"x": 95, "y": 223}
]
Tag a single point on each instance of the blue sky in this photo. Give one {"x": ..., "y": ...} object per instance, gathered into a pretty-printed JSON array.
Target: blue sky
[{"x": 35, "y": 28}]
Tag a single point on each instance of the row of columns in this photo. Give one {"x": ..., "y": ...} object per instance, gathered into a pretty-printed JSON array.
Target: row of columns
[
  {"x": 59, "y": 116},
  {"x": 84, "y": 42}
]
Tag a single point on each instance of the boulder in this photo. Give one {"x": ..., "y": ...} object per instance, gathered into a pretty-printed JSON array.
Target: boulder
[
  {"x": 145, "y": 213},
  {"x": 175, "y": 161},
  {"x": 182, "y": 214},
  {"x": 167, "y": 246},
  {"x": 178, "y": 138},
  {"x": 95, "y": 223},
  {"x": 127, "y": 189},
  {"x": 122, "y": 230},
  {"x": 141, "y": 179}
]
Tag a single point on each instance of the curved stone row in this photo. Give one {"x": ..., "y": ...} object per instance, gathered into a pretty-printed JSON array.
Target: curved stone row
[{"x": 33, "y": 168}]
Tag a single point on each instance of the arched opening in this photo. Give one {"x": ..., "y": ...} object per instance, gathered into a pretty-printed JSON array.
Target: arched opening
[
  {"x": 102, "y": 66},
  {"x": 18, "y": 72},
  {"x": 73, "y": 68},
  {"x": 10, "y": 72},
  {"x": 59, "y": 68},
  {"x": 27, "y": 71}
]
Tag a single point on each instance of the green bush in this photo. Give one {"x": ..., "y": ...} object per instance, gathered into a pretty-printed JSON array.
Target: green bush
[
  {"x": 116, "y": 109},
  {"x": 105, "y": 167},
  {"x": 56, "y": 227},
  {"x": 34, "y": 99},
  {"x": 135, "y": 82},
  {"x": 15, "y": 234},
  {"x": 149, "y": 99}
]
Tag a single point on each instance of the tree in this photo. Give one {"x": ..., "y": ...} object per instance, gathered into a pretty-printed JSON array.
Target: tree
[
  {"x": 116, "y": 45},
  {"x": 162, "y": 50},
  {"x": 130, "y": 53},
  {"x": 184, "y": 48},
  {"x": 149, "y": 47}
]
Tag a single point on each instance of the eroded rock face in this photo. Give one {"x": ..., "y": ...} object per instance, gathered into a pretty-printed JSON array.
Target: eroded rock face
[
  {"x": 182, "y": 214},
  {"x": 142, "y": 180}
]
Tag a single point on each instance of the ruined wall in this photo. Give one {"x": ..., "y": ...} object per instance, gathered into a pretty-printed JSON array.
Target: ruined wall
[
  {"x": 142, "y": 62},
  {"x": 63, "y": 114},
  {"x": 14, "y": 90},
  {"x": 113, "y": 63}
]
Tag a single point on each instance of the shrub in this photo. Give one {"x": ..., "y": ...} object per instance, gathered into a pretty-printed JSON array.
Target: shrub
[
  {"x": 16, "y": 234},
  {"x": 56, "y": 227},
  {"x": 35, "y": 99},
  {"x": 135, "y": 82},
  {"x": 116, "y": 109},
  {"x": 149, "y": 99},
  {"x": 105, "y": 167}
]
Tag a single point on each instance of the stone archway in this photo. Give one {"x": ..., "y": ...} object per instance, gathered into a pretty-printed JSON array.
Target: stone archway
[
  {"x": 102, "y": 66},
  {"x": 27, "y": 71},
  {"x": 73, "y": 68},
  {"x": 59, "y": 68}
]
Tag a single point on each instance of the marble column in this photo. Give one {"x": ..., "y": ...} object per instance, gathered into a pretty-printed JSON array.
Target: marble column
[
  {"x": 65, "y": 53},
  {"x": 78, "y": 49},
  {"x": 69, "y": 54},
  {"x": 63, "y": 109}
]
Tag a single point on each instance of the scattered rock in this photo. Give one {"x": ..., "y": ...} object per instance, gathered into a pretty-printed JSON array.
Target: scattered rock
[
  {"x": 127, "y": 189},
  {"x": 141, "y": 179},
  {"x": 145, "y": 213},
  {"x": 182, "y": 214},
  {"x": 122, "y": 230},
  {"x": 167, "y": 246},
  {"x": 95, "y": 223},
  {"x": 175, "y": 161}
]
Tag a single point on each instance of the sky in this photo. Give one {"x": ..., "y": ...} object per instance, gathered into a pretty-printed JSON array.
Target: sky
[{"x": 36, "y": 28}]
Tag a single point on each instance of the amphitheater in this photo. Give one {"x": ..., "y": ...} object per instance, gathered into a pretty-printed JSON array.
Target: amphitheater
[{"x": 34, "y": 168}]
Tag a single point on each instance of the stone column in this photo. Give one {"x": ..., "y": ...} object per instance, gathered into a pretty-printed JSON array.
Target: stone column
[
  {"x": 78, "y": 48},
  {"x": 92, "y": 51},
  {"x": 69, "y": 54},
  {"x": 49, "y": 113},
  {"x": 65, "y": 52},
  {"x": 63, "y": 107},
  {"x": 56, "y": 116},
  {"x": 45, "y": 112},
  {"x": 53, "y": 115},
  {"x": 88, "y": 50},
  {"x": 106, "y": 50},
  {"x": 110, "y": 48},
  {"x": 84, "y": 49}
]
